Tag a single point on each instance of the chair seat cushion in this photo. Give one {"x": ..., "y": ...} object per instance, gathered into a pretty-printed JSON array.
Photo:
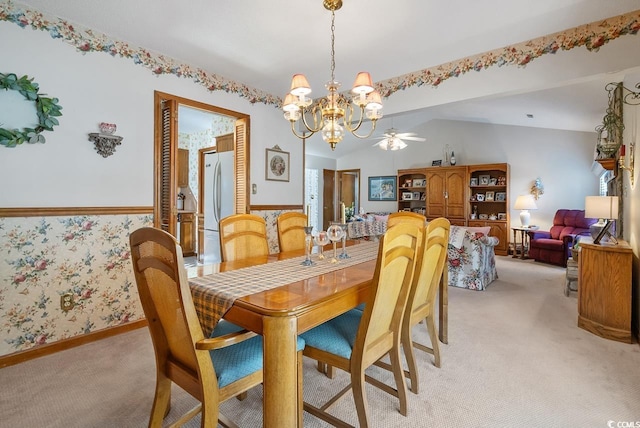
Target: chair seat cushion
[
  {"x": 336, "y": 336},
  {"x": 548, "y": 244},
  {"x": 242, "y": 359}
]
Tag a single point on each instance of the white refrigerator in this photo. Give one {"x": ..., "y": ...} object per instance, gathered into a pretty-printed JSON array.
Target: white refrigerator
[{"x": 219, "y": 180}]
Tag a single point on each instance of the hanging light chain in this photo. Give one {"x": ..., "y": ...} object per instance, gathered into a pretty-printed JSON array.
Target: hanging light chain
[{"x": 333, "y": 41}]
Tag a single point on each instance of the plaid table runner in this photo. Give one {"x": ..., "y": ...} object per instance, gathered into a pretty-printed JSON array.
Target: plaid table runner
[{"x": 213, "y": 295}]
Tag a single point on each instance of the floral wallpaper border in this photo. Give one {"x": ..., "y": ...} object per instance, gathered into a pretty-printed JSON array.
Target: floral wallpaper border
[{"x": 592, "y": 36}]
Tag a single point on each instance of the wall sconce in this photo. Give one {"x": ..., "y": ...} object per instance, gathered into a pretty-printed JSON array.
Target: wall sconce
[
  {"x": 105, "y": 143},
  {"x": 537, "y": 189},
  {"x": 621, "y": 164}
]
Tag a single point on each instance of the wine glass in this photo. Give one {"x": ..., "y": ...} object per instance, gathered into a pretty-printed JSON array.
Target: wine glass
[
  {"x": 322, "y": 239},
  {"x": 335, "y": 234}
]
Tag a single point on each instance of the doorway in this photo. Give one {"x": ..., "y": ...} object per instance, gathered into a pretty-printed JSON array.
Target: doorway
[{"x": 167, "y": 170}]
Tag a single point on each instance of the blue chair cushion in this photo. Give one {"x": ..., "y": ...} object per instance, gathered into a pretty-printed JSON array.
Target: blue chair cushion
[
  {"x": 360, "y": 307},
  {"x": 336, "y": 336},
  {"x": 242, "y": 359}
]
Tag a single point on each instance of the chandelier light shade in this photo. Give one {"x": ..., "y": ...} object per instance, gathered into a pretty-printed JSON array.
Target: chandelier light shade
[
  {"x": 525, "y": 203},
  {"x": 334, "y": 115}
]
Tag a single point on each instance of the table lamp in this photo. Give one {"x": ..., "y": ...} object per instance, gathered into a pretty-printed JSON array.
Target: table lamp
[
  {"x": 525, "y": 203},
  {"x": 605, "y": 209}
]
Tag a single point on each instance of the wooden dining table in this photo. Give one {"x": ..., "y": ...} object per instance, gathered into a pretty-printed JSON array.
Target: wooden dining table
[{"x": 283, "y": 311}]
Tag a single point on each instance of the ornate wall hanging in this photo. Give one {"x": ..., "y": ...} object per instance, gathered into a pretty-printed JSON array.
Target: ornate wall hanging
[{"x": 47, "y": 110}]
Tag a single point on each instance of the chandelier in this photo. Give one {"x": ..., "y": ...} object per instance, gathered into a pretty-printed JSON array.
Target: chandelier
[{"x": 334, "y": 114}]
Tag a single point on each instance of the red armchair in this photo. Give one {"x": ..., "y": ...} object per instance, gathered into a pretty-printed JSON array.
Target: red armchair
[{"x": 555, "y": 245}]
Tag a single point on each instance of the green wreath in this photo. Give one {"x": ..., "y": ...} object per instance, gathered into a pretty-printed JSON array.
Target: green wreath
[{"x": 47, "y": 109}]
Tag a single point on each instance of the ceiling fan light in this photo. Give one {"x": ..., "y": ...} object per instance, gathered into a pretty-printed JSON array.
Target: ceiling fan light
[{"x": 300, "y": 86}]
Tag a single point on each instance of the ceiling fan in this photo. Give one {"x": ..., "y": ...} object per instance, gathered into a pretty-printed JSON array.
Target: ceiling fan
[{"x": 391, "y": 139}]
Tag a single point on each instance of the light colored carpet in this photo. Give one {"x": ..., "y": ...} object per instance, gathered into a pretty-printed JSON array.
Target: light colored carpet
[{"x": 515, "y": 358}]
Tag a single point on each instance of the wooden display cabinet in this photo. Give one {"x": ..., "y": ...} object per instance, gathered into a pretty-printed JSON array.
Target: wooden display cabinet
[
  {"x": 446, "y": 193},
  {"x": 489, "y": 201},
  {"x": 411, "y": 190}
]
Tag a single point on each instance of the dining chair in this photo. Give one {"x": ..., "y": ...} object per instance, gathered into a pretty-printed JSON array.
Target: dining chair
[
  {"x": 406, "y": 216},
  {"x": 212, "y": 370},
  {"x": 356, "y": 339},
  {"x": 243, "y": 236},
  {"x": 430, "y": 265},
  {"x": 291, "y": 234}
]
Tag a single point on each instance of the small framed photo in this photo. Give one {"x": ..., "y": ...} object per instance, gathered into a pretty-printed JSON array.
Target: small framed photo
[
  {"x": 483, "y": 180},
  {"x": 489, "y": 196},
  {"x": 483, "y": 217},
  {"x": 436, "y": 162},
  {"x": 419, "y": 182},
  {"x": 474, "y": 181},
  {"x": 407, "y": 196},
  {"x": 479, "y": 197},
  {"x": 415, "y": 196},
  {"x": 502, "y": 216},
  {"x": 277, "y": 165},
  {"x": 493, "y": 181},
  {"x": 423, "y": 196},
  {"x": 408, "y": 183},
  {"x": 501, "y": 196}
]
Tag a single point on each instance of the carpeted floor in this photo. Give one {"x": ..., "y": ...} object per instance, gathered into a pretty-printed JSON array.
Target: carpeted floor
[{"x": 515, "y": 358}]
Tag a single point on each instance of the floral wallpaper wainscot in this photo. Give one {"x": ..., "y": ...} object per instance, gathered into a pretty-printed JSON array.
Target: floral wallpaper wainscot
[{"x": 44, "y": 258}]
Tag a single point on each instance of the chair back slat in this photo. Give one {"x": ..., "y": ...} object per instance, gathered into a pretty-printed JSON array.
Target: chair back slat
[
  {"x": 243, "y": 236},
  {"x": 291, "y": 234},
  {"x": 406, "y": 216}
]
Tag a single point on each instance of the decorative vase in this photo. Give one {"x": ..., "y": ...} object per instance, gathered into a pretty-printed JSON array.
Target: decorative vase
[{"x": 452, "y": 161}]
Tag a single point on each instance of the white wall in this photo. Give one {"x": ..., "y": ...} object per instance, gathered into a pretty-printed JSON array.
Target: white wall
[
  {"x": 95, "y": 87},
  {"x": 562, "y": 159}
]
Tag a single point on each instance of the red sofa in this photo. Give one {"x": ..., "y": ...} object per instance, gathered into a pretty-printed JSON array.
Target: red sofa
[{"x": 554, "y": 246}]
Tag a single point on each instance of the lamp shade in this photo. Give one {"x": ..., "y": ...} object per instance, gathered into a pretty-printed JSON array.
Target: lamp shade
[
  {"x": 605, "y": 207},
  {"x": 525, "y": 202},
  {"x": 363, "y": 83},
  {"x": 300, "y": 85}
]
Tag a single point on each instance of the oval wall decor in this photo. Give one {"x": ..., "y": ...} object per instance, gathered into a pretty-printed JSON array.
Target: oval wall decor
[{"x": 47, "y": 110}]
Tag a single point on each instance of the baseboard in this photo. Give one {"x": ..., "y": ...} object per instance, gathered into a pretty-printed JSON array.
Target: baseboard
[{"x": 61, "y": 345}]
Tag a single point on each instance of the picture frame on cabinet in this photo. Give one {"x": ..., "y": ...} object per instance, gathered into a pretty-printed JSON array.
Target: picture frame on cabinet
[
  {"x": 408, "y": 183},
  {"x": 501, "y": 196},
  {"x": 483, "y": 180},
  {"x": 502, "y": 216},
  {"x": 493, "y": 181},
  {"x": 474, "y": 181},
  {"x": 419, "y": 182},
  {"x": 488, "y": 197},
  {"x": 407, "y": 196},
  {"x": 383, "y": 188},
  {"x": 479, "y": 197},
  {"x": 415, "y": 196}
]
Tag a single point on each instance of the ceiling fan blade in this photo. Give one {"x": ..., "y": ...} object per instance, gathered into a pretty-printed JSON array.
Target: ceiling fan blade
[
  {"x": 406, "y": 134},
  {"x": 414, "y": 138}
]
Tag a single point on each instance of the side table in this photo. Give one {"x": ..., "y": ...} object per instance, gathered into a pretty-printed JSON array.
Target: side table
[
  {"x": 572, "y": 276},
  {"x": 524, "y": 240}
]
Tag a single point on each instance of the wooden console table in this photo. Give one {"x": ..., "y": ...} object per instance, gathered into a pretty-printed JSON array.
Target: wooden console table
[{"x": 604, "y": 294}]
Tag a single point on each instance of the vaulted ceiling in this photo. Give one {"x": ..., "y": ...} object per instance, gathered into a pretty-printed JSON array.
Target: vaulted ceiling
[{"x": 262, "y": 44}]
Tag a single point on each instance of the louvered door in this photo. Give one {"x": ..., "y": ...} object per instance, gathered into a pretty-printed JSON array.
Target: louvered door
[
  {"x": 242, "y": 166},
  {"x": 166, "y": 185}
]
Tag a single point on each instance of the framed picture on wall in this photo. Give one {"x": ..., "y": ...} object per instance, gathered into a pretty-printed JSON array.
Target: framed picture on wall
[
  {"x": 383, "y": 188},
  {"x": 277, "y": 164}
]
